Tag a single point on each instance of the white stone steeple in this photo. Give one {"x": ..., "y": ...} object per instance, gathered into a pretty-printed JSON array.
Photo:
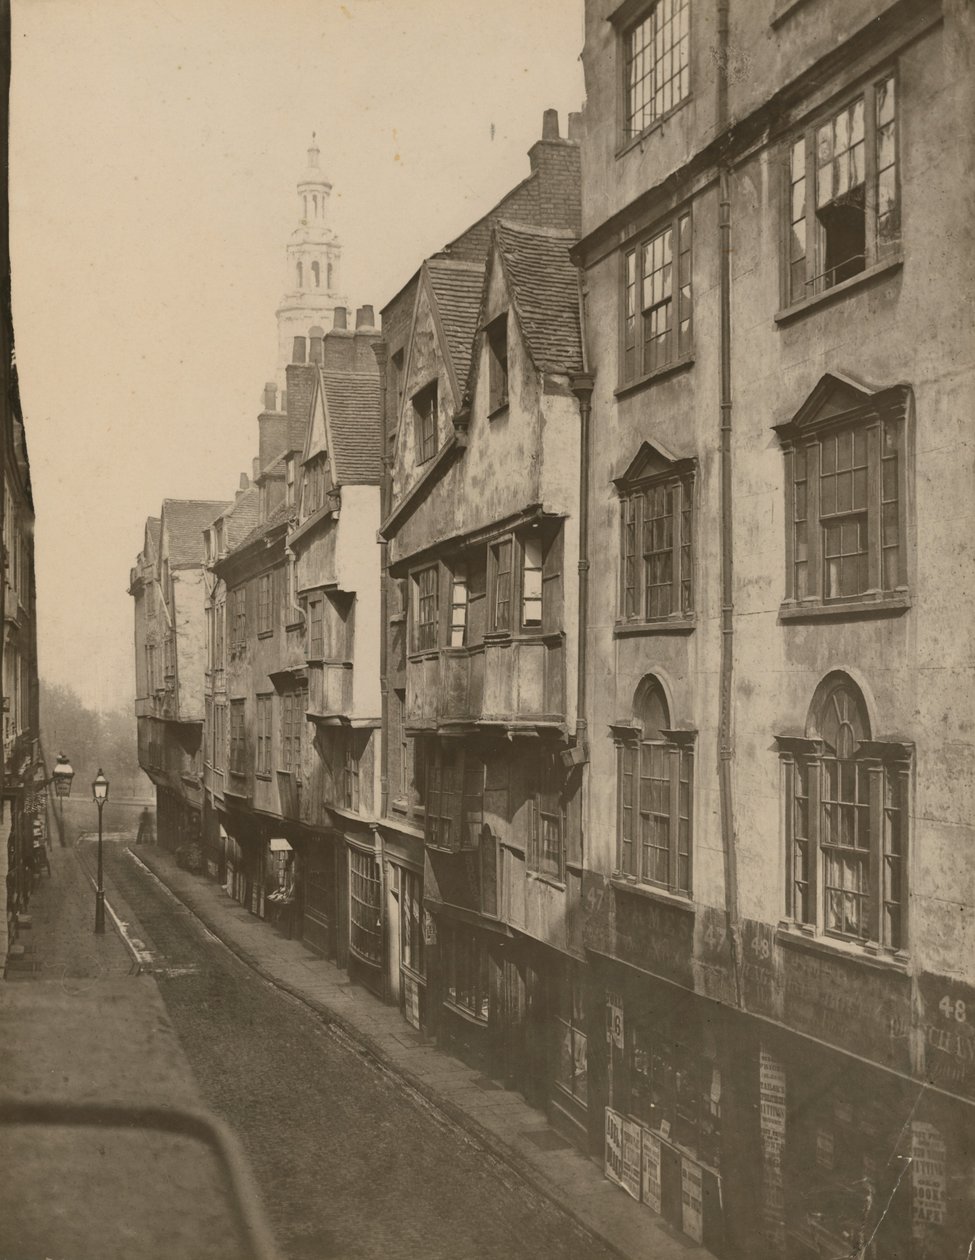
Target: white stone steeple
[{"x": 314, "y": 254}]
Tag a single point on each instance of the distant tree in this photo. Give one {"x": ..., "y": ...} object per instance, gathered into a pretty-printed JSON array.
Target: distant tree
[{"x": 91, "y": 740}]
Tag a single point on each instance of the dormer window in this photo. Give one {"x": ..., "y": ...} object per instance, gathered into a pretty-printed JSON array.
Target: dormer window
[
  {"x": 497, "y": 344},
  {"x": 425, "y": 422}
]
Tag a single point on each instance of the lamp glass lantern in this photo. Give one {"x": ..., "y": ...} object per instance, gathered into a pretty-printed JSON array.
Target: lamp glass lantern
[
  {"x": 99, "y": 789},
  {"x": 62, "y": 774}
]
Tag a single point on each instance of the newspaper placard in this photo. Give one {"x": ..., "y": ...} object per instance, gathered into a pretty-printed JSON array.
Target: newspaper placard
[
  {"x": 928, "y": 1175},
  {"x": 650, "y": 1167},
  {"x": 614, "y": 1020},
  {"x": 631, "y": 1158},
  {"x": 692, "y": 1199},
  {"x": 614, "y": 1146}
]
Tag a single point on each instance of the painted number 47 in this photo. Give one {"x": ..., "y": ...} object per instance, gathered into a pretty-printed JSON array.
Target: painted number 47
[{"x": 952, "y": 1009}]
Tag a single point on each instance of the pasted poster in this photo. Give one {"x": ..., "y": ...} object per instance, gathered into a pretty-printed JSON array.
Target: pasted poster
[
  {"x": 692, "y": 1199},
  {"x": 614, "y": 1020},
  {"x": 650, "y": 1166},
  {"x": 771, "y": 1086},
  {"x": 614, "y": 1146},
  {"x": 631, "y": 1158},
  {"x": 928, "y": 1176}
]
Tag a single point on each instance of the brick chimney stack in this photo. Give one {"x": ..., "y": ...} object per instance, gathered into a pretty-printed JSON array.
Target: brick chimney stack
[
  {"x": 298, "y": 353},
  {"x": 555, "y": 162},
  {"x": 270, "y": 396}
]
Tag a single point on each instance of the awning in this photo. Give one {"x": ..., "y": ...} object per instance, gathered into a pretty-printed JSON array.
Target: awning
[{"x": 279, "y": 846}]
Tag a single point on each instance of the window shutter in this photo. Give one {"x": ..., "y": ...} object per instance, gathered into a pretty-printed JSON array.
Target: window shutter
[{"x": 552, "y": 583}]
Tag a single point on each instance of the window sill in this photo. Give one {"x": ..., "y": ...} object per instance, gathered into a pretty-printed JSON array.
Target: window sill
[
  {"x": 667, "y": 625},
  {"x": 838, "y": 291},
  {"x": 791, "y": 935},
  {"x": 265, "y": 634},
  {"x": 264, "y": 778},
  {"x": 652, "y": 893},
  {"x": 428, "y": 654},
  {"x": 639, "y": 140},
  {"x": 500, "y": 410},
  {"x": 877, "y": 606},
  {"x": 553, "y": 881},
  {"x": 658, "y": 374},
  {"x": 469, "y": 1016}
]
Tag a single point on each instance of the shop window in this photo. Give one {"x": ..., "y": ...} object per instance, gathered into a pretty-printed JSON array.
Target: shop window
[
  {"x": 657, "y": 301},
  {"x": 846, "y": 496},
  {"x": 467, "y": 968},
  {"x": 572, "y": 1072},
  {"x": 844, "y": 203},
  {"x": 656, "y": 64},
  {"x": 425, "y": 422},
  {"x": 411, "y": 921},
  {"x": 497, "y": 345},
  {"x": 264, "y": 711},
  {"x": 655, "y": 792},
  {"x": 847, "y": 816},
  {"x": 546, "y": 852},
  {"x": 365, "y": 916}
]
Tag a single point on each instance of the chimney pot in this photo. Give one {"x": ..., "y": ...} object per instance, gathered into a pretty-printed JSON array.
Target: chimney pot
[
  {"x": 339, "y": 318},
  {"x": 550, "y": 124},
  {"x": 365, "y": 317},
  {"x": 244, "y": 483},
  {"x": 270, "y": 396},
  {"x": 298, "y": 353},
  {"x": 575, "y": 127},
  {"x": 316, "y": 352}
]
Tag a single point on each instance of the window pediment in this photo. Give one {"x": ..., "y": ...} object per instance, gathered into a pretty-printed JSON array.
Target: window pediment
[
  {"x": 652, "y": 460},
  {"x": 838, "y": 399}
]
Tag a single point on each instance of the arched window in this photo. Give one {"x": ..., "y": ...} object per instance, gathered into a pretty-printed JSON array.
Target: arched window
[
  {"x": 314, "y": 204},
  {"x": 329, "y": 276},
  {"x": 300, "y": 275},
  {"x": 655, "y": 787},
  {"x": 305, "y": 200},
  {"x": 846, "y": 821},
  {"x": 315, "y": 275}
]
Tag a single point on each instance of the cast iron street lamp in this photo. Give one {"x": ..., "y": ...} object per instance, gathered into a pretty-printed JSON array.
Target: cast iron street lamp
[
  {"x": 99, "y": 790},
  {"x": 62, "y": 774}
]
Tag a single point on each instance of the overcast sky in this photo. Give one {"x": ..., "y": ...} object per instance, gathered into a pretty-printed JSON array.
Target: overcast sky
[{"x": 155, "y": 147}]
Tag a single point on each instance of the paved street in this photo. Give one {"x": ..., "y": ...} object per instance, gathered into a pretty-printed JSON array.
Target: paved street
[{"x": 351, "y": 1163}]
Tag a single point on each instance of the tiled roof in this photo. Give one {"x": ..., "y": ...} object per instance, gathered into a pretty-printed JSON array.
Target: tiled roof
[
  {"x": 184, "y": 521},
  {"x": 457, "y": 288},
  {"x": 355, "y": 426},
  {"x": 277, "y": 517},
  {"x": 544, "y": 289},
  {"x": 242, "y": 516}
]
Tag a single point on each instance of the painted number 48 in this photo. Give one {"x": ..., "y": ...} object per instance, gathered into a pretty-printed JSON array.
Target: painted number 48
[{"x": 952, "y": 1009}]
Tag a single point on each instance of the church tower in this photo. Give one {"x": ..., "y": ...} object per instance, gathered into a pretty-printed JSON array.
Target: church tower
[{"x": 314, "y": 254}]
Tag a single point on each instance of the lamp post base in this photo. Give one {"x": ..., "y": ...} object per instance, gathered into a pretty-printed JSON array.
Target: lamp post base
[{"x": 100, "y": 912}]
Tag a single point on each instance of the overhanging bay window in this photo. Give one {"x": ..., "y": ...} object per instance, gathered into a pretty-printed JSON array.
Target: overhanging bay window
[
  {"x": 425, "y": 609},
  {"x": 847, "y": 811},
  {"x": 365, "y": 913}
]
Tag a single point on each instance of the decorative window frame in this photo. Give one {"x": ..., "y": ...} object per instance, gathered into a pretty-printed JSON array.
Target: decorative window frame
[
  {"x": 889, "y": 765},
  {"x": 652, "y": 467},
  {"x": 835, "y": 406},
  {"x": 637, "y": 369}
]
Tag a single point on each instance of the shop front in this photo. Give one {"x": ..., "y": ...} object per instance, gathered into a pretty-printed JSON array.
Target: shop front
[
  {"x": 320, "y": 878},
  {"x": 365, "y": 901}
]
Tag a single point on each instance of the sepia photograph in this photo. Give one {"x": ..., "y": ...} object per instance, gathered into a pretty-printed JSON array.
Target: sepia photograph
[{"x": 488, "y": 652}]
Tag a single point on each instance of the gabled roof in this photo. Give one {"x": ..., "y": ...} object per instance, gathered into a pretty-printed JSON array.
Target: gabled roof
[
  {"x": 278, "y": 517},
  {"x": 457, "y": 288},
  {"x": 354, "y": 420},
  {"x": 183, "y": 523},
  {"x": 543, "y": 286}
]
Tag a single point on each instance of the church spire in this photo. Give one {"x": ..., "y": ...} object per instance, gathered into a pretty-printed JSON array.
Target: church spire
[{"x": 314, "y": 253}]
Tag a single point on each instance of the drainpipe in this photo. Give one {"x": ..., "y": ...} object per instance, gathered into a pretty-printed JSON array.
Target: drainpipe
[
  {"x": 582, "y": 386},
  {"x": 380, "y": 350},
  {"x": 726, "y": 748}
]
